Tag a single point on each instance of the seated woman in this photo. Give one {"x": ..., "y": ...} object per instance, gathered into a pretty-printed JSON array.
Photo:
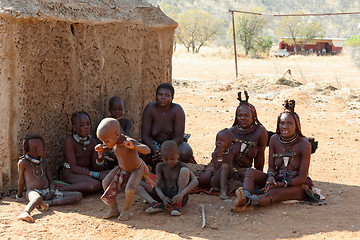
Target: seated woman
[
  {"x": 289, "y": 160},
  {"x": 249, "y": 142},
  {"x": 82, "y": 167},
  {"x": 164, "y": 120}
]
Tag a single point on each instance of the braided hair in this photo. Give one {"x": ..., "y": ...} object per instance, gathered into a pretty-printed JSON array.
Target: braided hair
[
  {"x": 76, "y": 117},
  {"x": 245, "y": 103},
  {"x": 289, "y": 107},
  {"x": 28, "y": 137}
]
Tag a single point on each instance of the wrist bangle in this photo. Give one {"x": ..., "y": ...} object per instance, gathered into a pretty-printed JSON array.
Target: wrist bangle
[
  {"x": 17, "y": 197},
  {"x": 271, "y": 174},
  {"x": 279, "y": 184},
  {"x": 52, "y": 190},
  {"x": 235, "y": 170},
  {"x": 286, "y": 183},
  {"x": 100, "y": 161},
  {"x": 94, "y": 174}
]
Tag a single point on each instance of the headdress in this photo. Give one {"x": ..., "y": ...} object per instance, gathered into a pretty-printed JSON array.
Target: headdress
[
  {"x": 289, "y": 106},
  {"x": 245, "y": 103}
]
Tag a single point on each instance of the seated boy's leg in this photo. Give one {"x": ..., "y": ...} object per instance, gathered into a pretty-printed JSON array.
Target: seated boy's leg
[
  {"x": 224, "y": 172},
  {"x": 35, "y": 199},
  {"x": 184, "y": 178},
  {"x": 68, "y": 198},
  {"x": 132, "y": 184},
  {"x": 143, "y": 190}
]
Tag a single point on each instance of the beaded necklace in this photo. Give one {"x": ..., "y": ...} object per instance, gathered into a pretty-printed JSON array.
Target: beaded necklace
[
  {"x": 35, "y": 163},
  {"x": 84, "y": 141}
]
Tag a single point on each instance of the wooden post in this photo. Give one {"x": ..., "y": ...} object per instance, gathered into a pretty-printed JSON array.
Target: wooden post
[{"x": 233, "y": 25}]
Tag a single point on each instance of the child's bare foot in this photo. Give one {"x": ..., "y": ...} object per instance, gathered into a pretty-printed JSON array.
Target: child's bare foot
[
  {"x": 44, "y": 206},
  {"x": 112, "y": 213},
  {"x": 223, "y": 196},
  {"x": 240, "y": 198},
  {"x": 124, "y": 216},
  {"x": 25, "y": 216}
]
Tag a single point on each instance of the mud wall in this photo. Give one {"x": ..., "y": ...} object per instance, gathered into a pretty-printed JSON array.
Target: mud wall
[{"x": 51, "y": 68}]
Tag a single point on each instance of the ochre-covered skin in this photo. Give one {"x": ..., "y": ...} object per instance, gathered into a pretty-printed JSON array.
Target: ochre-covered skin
[{"x": 58, "y": 57}]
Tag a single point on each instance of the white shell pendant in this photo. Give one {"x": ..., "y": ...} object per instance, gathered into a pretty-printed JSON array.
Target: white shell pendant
[
  {"x": 243, "y": 146},
  {"x": 286, "y": 161}
]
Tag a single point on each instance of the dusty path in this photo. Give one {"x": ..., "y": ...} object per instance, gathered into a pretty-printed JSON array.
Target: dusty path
[{"x": 331, "y": 116}]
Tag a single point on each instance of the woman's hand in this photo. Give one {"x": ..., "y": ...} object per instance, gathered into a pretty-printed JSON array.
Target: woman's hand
[
  {"x": 156, "y": 158},
  {"x": 270, "y": 183}
]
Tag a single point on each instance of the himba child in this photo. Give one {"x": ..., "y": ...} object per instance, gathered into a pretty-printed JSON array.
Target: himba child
[
  {"x": 116, "y": 109},
  {"x": 131, "y": 167},
  {"x": 173, "y": 183},
  {"x": 34, "y": 172},
  {"x": 222, "y": 159}
]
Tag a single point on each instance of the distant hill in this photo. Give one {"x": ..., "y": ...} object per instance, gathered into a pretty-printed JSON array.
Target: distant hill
[{"x": 333, "y": 26}]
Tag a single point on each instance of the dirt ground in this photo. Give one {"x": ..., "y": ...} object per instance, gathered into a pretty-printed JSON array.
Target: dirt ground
[{"x": 328, "y": 103}]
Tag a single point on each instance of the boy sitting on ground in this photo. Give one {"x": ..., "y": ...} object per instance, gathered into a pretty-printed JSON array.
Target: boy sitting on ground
[
  {"x": 222, "y": 159},
  {"x": 174, "y": 182},
  {"x": 131, "y": 167},
  {"x": 34, "y": 172}
]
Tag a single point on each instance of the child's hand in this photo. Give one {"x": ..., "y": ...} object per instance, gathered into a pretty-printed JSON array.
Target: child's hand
[
  {"x": 177, "y": 198},
  {"x": 167, "y": 201},
  {"x": 99, "y": 148},
  {"x": 129, "y": 144}
]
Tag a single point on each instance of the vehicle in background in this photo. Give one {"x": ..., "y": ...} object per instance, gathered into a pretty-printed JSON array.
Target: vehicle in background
[{"x": 281, "y": 53}]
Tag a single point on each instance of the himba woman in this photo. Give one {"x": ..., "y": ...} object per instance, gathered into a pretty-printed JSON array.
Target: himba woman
[
  {"x": 249, "y": 143},
  {"x": 289, "y": 159},
  {"x": 82, "y": 167}
]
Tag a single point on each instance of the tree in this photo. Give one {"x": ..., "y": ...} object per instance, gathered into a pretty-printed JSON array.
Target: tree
[
  {"x": 300, "y": 31},
  {"x": 196, "y": 28},
  {"x": 353, "y": 41},
  {"x": 310, "y": 31},
  {"x": 248, "y": 29},
  {"x": 263, "y": 45},
  {"x": 173, "y": 12}
]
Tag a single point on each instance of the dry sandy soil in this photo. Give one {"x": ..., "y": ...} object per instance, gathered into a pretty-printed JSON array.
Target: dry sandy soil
[{"x": 329, "y": 107}]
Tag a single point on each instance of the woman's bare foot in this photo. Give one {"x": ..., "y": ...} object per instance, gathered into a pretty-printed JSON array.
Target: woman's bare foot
[
  {"x": 124, "y": 216},
  {"x": 114, "y": 212},
  {"x": 25, "y": 216},
  {"x": 240, "y": 198},
  {"x": 223, "y": 196}
]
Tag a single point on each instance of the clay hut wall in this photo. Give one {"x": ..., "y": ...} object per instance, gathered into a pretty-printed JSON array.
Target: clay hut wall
[{"x": 58, "y": 57}]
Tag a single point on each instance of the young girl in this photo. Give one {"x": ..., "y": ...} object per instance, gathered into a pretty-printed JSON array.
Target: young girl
[{"x": 82, "y": 166}]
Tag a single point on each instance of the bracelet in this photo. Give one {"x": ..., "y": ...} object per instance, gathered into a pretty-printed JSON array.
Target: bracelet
[
  {"x": 286, "y": 183},
  {"x": 279, "y": 184},
  {"x": 17, "y": 197},
  {"x": 271, "y": 174},
  {"x": 100, "y": 161},
  {"x": 235, "y": 170},
  {"x": 94, "y": 174},
  {"x": 52, "y": 190}
]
